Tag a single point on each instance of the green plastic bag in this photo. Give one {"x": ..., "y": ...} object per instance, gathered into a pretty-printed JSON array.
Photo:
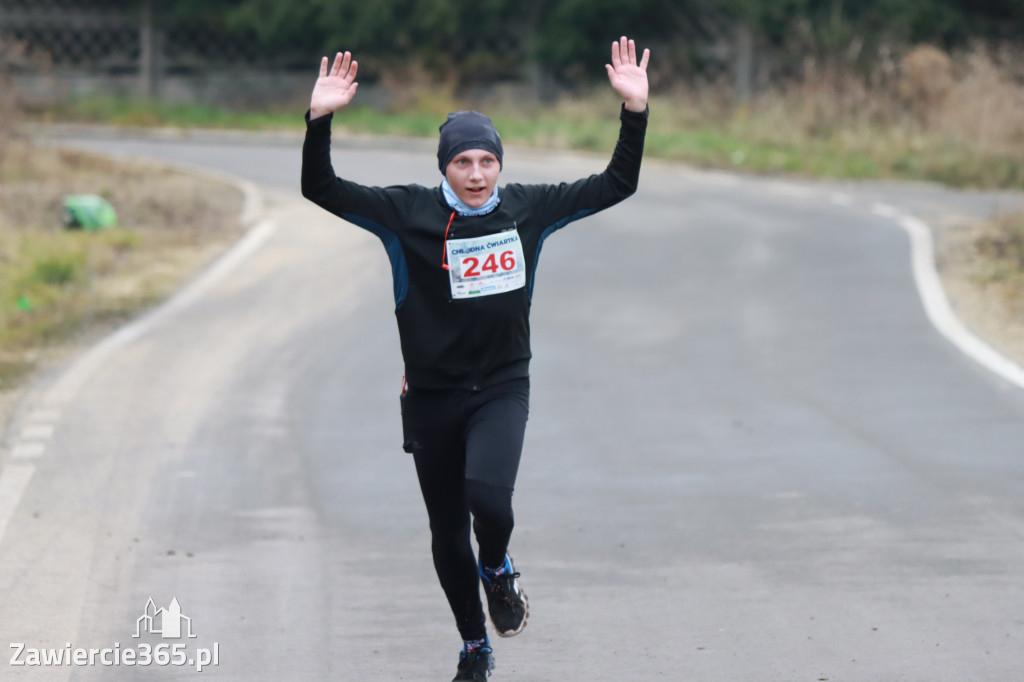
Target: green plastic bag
[{"x": 88, "y": 212}]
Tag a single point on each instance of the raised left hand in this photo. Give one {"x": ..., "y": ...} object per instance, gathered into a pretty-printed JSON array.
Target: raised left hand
[{"x": 628, "y": 77}]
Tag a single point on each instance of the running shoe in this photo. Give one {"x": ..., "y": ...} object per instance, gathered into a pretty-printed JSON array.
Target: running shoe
[
  {"x": 475, "y": 665},
  {"x": 506, "y": 600}
]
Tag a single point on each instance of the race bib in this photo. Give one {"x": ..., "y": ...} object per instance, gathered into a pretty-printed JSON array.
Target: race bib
[{"x": 482, "y": 266}]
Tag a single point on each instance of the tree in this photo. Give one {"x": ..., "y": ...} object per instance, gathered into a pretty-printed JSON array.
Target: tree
[{"x": 482, "y": 40}]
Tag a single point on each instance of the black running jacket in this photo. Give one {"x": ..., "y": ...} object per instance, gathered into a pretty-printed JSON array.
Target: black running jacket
[{"x": 454, "y": 334}]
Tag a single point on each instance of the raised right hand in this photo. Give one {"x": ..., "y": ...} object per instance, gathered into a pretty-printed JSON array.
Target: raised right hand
[{"x": 335, "y": 89}]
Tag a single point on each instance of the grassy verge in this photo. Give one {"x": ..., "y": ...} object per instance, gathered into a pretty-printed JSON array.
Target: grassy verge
[
  {"x": 982, "y": 268},
  {"x": 142, "y": 112},
  {"x": 56, "y": 283},
  {"x": 766, "y": 139}
]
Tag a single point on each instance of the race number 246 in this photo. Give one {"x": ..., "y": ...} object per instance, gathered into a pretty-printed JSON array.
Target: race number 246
[{"x": 472, "y": 267}]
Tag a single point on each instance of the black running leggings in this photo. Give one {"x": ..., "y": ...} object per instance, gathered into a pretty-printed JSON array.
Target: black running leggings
[{"x": 467, "y": 445}]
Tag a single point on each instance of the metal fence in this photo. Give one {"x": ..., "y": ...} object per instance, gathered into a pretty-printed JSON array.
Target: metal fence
[
  {"x": 132, "y": 47},
  {"x": 96, "y": 35},
  {"x": 135, "y": 47},
  {"x": 109, "y": 35}
]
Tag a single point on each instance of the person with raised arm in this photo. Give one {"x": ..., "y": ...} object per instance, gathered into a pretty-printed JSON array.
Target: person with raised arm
[{"x": 463, "y": 256}]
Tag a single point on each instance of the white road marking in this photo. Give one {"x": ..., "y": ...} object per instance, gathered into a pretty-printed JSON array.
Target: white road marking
[
  {"x": 13, "y": 480},
  {"x": 46, "y": 415},
  {"x": 937, "y": 307},
  {"x": 69, "y": 384},
  {"x": 929, "y": 286},
  {"x": 933, "y": 296},
  {"x": 29, "y": 450},
  {"x": 37, "y": 432}
]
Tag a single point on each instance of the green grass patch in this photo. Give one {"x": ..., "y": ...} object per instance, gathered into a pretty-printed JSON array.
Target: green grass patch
[
  {"x": 136, "y": 111},
  {"x": 47, "y": 278}
]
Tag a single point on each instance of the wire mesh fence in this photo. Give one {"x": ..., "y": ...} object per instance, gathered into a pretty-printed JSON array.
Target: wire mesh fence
[
  {"x": 73, "y": 34},
  {"x": 68, "y": 47},
  {"x": 107, "y": 35}
]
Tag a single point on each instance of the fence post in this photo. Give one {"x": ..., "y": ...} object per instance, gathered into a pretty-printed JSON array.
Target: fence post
[
  {"x": 744, "y": 63},
  {"x": 150, "y": 53}
]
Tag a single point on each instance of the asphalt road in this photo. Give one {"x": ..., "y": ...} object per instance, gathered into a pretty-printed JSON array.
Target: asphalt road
[{"x": 750, "y": 456}]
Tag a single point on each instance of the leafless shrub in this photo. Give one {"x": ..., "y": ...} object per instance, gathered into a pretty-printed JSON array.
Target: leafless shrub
[
  {"x": 414, "y": 87},
  {"x": 836, "y": 96},
  {"x": 984, "y": 105},
  {"x": 926, "y": 82},
  {"x": 973, "y": 99}
]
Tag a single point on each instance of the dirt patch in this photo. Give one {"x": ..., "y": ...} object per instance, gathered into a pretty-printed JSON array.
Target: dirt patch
[
  {"x": 982, "y": 271},
  {"x": 61, "y": 289}
]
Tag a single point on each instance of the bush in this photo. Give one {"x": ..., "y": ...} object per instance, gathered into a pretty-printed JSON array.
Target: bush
[{"x": 58, "y": 270}]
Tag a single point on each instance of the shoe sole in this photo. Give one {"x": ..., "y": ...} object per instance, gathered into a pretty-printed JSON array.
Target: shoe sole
[{"x": 522, "y": 626}]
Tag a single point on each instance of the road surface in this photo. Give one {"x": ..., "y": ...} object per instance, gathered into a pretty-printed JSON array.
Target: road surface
[{"x": 750, "y": 457}]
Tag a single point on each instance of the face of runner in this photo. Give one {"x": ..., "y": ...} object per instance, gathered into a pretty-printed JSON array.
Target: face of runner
[{"x": 473, "y": 175}]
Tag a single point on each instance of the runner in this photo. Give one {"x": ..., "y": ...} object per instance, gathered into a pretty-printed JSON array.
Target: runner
[{"x": 463, "y": 257}]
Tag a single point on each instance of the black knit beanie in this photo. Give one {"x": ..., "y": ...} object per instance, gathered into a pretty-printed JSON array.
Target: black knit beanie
[{"x": 467, "y": 130}]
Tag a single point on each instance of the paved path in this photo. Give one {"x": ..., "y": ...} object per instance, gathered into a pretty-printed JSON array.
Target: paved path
[{"x": 750, "y": 455}]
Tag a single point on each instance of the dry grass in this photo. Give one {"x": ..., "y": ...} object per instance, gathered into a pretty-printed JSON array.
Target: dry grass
[
  {"x": 982, "y": 268},
  {"x": 955, "y": 120},
  {"x": 56, "y": 283}
]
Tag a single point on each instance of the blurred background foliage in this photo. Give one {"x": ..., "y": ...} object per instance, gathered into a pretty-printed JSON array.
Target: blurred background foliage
[{"x": 469, "y": 40}]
